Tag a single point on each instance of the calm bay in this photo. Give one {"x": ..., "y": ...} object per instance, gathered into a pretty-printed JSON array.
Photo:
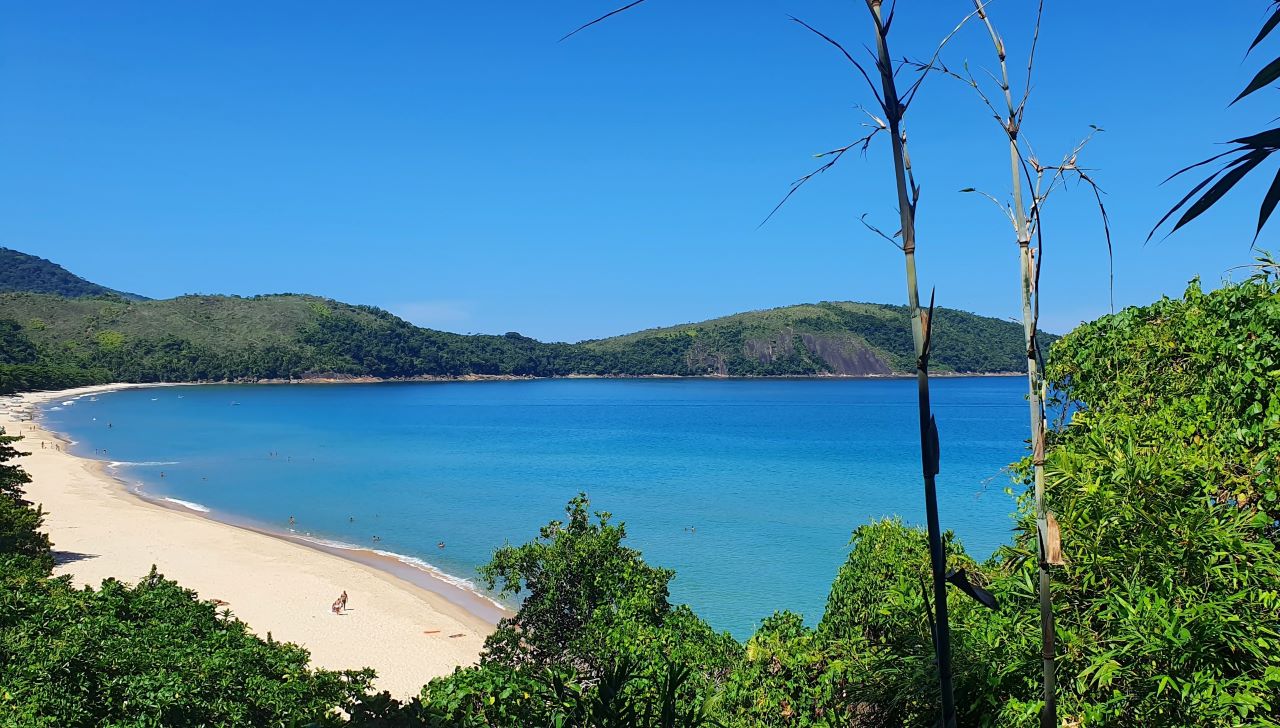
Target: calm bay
[{"x": 748, "y": 488}]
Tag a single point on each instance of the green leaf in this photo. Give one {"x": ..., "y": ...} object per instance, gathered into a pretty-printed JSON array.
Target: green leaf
[
  {"x": 1268, "y": 205},
  {"x": 1267, "y": 27},
  {"x": 1267, "y": 75},
  {"x": 1222, "y": 186}
]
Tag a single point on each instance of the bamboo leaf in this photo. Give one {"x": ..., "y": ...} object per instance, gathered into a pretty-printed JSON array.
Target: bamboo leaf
[
  {"x": 1268, "y": 205},
  {"x": 1181, "y": 202},
  {"x": 609, "y": 14},
  {"x": 847, "y": 56},
  {"x": 1203, "y": 162},
  {"x": 1267, "y": 75},
  {"x": 1237, "y": 161},
  {"x": 1267, "y": 27},
  {"x": 1268, "y": 138},
  {"x": 1221, "y": 187}
]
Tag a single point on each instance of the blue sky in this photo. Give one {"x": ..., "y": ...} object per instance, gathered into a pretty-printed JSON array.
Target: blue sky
[{"x": 455, "y": 164}]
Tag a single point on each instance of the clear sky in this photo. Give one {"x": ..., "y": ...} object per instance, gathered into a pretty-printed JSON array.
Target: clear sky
[{"x": 455, "y": 164}]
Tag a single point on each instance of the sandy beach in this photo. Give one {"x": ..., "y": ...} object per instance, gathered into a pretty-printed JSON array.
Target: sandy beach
[{"x": 99, "y": 529}]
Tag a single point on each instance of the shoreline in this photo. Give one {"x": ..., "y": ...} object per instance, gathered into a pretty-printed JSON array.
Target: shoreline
[
  {"x": 425, "y": 577},
  {"x": 364, "y": 379},
  {"x": 361, "y": 379},
  {"x": 405, "y": 621}
]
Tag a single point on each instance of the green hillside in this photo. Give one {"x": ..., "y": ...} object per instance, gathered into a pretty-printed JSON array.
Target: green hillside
[
  {"x": 856, "y": 339},
  {"x": 226, "y": 337},
  {"x": 87, "y": 334},
  {"x": 30, "y": 274},
  {"x": 193, "y": 338}
]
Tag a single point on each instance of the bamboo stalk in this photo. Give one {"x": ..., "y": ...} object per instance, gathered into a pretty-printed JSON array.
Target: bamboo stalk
[
  {"x": 920, "y": 331},
  {"x": 1035, "y": 383}
]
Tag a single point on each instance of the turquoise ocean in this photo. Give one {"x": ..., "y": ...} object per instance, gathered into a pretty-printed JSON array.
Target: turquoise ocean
[{"x": 749, "y": 489}]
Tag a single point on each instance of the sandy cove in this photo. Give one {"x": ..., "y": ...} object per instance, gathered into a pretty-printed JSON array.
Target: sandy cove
[{"x": 99, "y": 529}]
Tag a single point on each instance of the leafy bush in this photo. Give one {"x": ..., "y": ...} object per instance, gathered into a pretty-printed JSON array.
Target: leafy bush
[
  {"x": 1164, "y": 483},
  {"x": 595, "y": 616},
  {"x": 1165, "y": 486},
  {"x": 153, "y": 654}
]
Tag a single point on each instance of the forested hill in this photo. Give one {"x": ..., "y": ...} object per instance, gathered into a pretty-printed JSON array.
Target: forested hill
[
  {"x": 87, "y": 333},
  {"x": 297, "y": 336},
  {"x": 853, "y": 339},
  {"x": 28, "y": 273}
]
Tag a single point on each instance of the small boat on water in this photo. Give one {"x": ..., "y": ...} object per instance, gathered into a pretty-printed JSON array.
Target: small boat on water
[{"x": 235, "y": 404}]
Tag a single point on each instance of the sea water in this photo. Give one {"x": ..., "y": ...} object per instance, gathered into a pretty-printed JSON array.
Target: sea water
[{"x": 748, "y": 489}]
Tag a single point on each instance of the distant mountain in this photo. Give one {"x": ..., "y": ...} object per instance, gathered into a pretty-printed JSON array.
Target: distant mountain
[
  {"x": 30, "y": 274},
  {"x": 49, "y": 340},
  {"x": 843, "y": 338}
]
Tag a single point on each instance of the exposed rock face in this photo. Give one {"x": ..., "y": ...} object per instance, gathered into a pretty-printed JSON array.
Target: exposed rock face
[
  {"x": 842, "y": 355},
  {"x": 701, "y": 360},
  {"x": 769, "y": 350}
]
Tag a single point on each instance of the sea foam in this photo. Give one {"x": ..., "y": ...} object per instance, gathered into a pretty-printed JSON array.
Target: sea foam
[
  {"x": 189, "y": 504},
  {"x": 410, "y": 561}
]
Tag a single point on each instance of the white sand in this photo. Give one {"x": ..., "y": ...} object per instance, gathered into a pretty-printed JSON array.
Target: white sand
[{"x": 276, "y": 586}]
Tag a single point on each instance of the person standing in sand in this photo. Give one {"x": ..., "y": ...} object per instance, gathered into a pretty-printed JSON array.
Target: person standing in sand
[{"x": 343, "y": 600}]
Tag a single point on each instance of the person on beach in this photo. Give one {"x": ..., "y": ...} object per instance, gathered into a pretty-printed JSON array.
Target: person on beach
[
  {"x": 337, "y": 606},
  {"x": 343, "y": 600}
]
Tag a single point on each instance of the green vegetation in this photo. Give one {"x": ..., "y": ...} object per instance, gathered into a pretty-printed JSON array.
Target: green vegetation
[
  {"x": 152, "y": 654},
  {"x": 1165, "y": 487},
  {"x": 48, "y": 341},
  {"x": 1164, "y": 482},
  {"x": 595, "y": 640},
  {"x": 29, "y": 274},
  {"x": 22, "y": 368},
  {"x": 1247, "y": 154},
  {"x": 827, "y": 337}
]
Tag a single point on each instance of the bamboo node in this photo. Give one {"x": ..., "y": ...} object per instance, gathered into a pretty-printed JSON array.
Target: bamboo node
[{"x": 1051, "y": 539}]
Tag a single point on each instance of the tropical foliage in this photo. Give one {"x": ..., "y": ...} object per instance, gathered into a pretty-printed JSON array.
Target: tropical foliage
[
  {"x": 1164, "y": 483},
  {"x": 48, "y": 341},
  {"x": 595, "y": 639},
  {"x": 1166, "y": 487},
  {"x": 151, "y": 654},
  {"x": 1246, "y": 154}
]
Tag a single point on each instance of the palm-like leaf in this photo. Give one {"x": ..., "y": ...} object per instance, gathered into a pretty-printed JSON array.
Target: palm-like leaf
[
  {"x": 1272, "y": 20},
  {"x": 1249, "y": 152}
]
